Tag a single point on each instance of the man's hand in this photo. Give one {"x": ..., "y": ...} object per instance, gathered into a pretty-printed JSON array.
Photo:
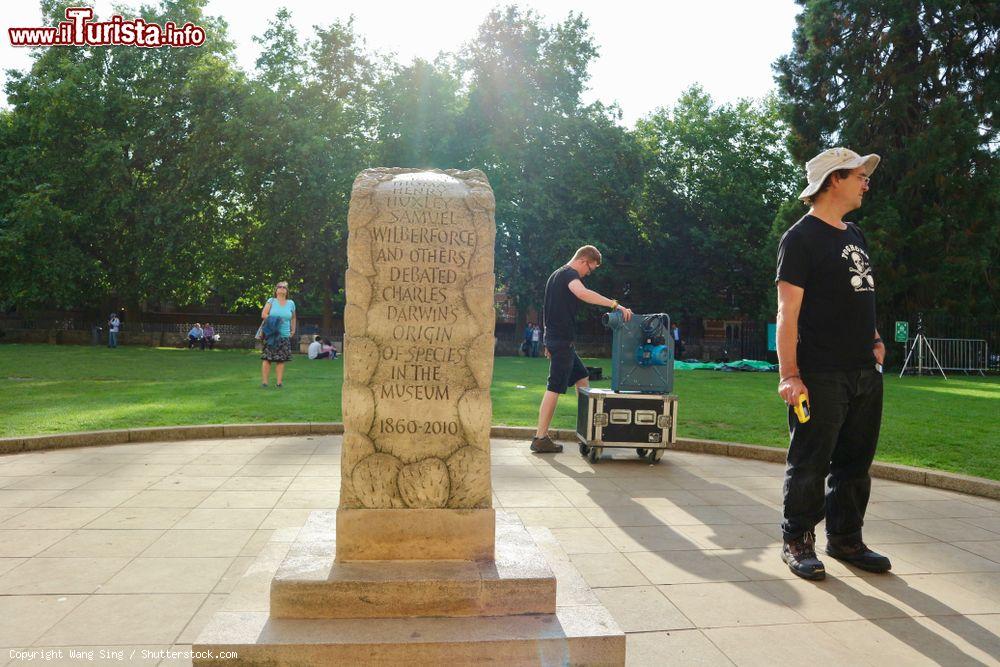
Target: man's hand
[
  {"x": 791, "y": 388},
  {"x": 548, "y": 355},
  {"x": 879, "y": 353},
  {"x": 626, "y": 312}
]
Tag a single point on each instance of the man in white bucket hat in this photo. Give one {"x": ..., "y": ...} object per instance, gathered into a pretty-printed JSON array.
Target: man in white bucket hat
[{"x": 830, "y": 352}]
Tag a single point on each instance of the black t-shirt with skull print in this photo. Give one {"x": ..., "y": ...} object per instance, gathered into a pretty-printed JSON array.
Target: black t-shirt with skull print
[{"x": 837, "y": 319}]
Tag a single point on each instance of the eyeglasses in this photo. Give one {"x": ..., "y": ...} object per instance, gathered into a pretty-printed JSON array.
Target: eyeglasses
[{"x": 864, "y": 179}]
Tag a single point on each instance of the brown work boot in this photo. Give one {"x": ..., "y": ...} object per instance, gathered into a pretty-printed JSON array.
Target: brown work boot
[
  {"x": 800, "y": 555},
  {"x": 545, "y": 445},
  {"x": 855, "y": 552}
]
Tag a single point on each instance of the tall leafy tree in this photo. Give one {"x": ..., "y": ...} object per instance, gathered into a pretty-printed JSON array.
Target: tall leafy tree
[
  {"x": 562, "y": 171},
  {"x": 419, "y": 107},
  {"x": 119, "y": 165},
  {"x": 918, "y": 83},
  {"x": 312, "y": 129},
  {"x": 715, "y": 176}
]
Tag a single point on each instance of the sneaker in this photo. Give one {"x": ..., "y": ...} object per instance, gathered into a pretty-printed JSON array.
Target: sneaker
[
  {"x": 545, "y": 445},
  {"x": 279, "y": 385},
  {"x": 800, "y": 555},
  {"x": 263, "y": 385},
  {"x": 855, "y": 552}
]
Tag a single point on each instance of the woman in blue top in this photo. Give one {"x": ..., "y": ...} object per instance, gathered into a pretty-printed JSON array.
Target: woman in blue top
[{"x": 283, "y": 307}]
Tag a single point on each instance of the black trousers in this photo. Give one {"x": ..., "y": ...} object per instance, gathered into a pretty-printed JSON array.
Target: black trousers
[{"x": 826, "y": 473}]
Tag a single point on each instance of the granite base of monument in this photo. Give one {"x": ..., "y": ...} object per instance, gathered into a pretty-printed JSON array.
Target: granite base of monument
[{"x": 322, "y": 612}]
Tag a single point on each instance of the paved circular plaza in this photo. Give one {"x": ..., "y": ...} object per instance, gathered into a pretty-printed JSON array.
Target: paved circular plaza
[{"x": 130, "y": 549}]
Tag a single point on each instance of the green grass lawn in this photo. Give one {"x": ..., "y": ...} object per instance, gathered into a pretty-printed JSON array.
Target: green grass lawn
[{"x": 948, "y": 425}]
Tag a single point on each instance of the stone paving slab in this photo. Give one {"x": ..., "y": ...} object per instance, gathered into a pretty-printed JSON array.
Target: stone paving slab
[{"x": 135, "y": 546}]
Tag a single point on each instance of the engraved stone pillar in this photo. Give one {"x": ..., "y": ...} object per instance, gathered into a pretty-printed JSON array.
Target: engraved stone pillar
[{"x": 418, "y": 361}]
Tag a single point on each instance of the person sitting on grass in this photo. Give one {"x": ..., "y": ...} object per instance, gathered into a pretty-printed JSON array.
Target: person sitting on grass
[
  {"x": 315, "y": 348},
  {"x": 321, "y": 349},
  {"x": 208, "y": 339},
  {"x": 196, "y": 336}
]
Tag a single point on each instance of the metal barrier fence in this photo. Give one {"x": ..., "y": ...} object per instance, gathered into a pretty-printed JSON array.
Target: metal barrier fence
[
  {"x": 746, "y": 340},
  {"x": 968, "y": 355},
  {"x": 938, "y": 326},
  {"x": 167, "y": 327}
]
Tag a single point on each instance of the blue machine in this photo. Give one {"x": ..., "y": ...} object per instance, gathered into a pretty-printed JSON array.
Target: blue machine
[{"x": 642, "y": 353}]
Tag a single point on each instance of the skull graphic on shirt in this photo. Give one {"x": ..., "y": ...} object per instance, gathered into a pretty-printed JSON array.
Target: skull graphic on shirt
[{"x": 862, "y": 279}]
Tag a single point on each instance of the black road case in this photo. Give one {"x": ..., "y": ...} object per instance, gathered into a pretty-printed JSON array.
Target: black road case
[{"x": 644, "y": 422}]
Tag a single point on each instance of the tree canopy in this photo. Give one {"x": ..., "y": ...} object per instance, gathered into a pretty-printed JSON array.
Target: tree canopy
[
  {"x": 714, "y": 178},
  {"x": 118, "y": 165},
  {"x": 141, "y": 176},
  {"x": 919, "y": 84}
]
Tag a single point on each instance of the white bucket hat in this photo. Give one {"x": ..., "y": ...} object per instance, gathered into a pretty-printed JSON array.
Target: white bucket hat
[{"x": 830, "y": 160}]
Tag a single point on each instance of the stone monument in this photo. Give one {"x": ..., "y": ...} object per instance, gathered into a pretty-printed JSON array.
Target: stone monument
[
  {"x": 415, "y": 566},
  {"x": 418, "y": 355}
]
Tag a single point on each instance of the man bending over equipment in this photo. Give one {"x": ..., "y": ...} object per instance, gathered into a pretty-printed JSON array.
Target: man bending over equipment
[{"x": 563, "y": 292}]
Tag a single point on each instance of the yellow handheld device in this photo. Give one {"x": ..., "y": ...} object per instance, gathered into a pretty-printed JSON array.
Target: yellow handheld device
[{"x": 801, "y": 408}]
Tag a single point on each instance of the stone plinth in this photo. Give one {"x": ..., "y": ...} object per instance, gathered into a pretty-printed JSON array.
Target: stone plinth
[
  {"x": 580, "y": 635},
  {"x": 415, "y": 613},
  {"x": 415, "y": 534},
  {"x": 518, "y": 581}
]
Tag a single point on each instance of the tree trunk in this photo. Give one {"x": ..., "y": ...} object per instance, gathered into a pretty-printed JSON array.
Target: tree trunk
[
  {"x": 521, "y": 321},
  {"x": 326, "y": 328}
]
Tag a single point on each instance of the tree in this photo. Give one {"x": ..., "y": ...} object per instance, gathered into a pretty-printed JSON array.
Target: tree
[
  {"x": 562, "y": 172},
  {"x": 312, "y": 129},
  {"x": 919, "y": 84},
  {"x": 119, "y": 164},
  {"x": 715, "y": 177},
  {"x": 418, "y": 114}
]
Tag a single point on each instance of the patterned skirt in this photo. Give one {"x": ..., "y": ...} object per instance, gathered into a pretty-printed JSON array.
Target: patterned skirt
[{"x": 280, "y": 353}]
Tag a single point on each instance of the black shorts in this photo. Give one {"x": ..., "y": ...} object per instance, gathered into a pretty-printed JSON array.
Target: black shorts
[{"x": 565, "y": 367}]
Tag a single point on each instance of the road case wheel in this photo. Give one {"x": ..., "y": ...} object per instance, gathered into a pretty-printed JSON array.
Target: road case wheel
[
  {"x": 583, "y": 449},
  {"x": 654, "y": 455},
  {"x": 595, "y": 454},
  {"x": 641, "y": 451}
]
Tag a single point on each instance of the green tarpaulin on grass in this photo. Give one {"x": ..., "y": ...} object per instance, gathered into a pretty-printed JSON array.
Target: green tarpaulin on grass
[{"x": 741, "y": 365}]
